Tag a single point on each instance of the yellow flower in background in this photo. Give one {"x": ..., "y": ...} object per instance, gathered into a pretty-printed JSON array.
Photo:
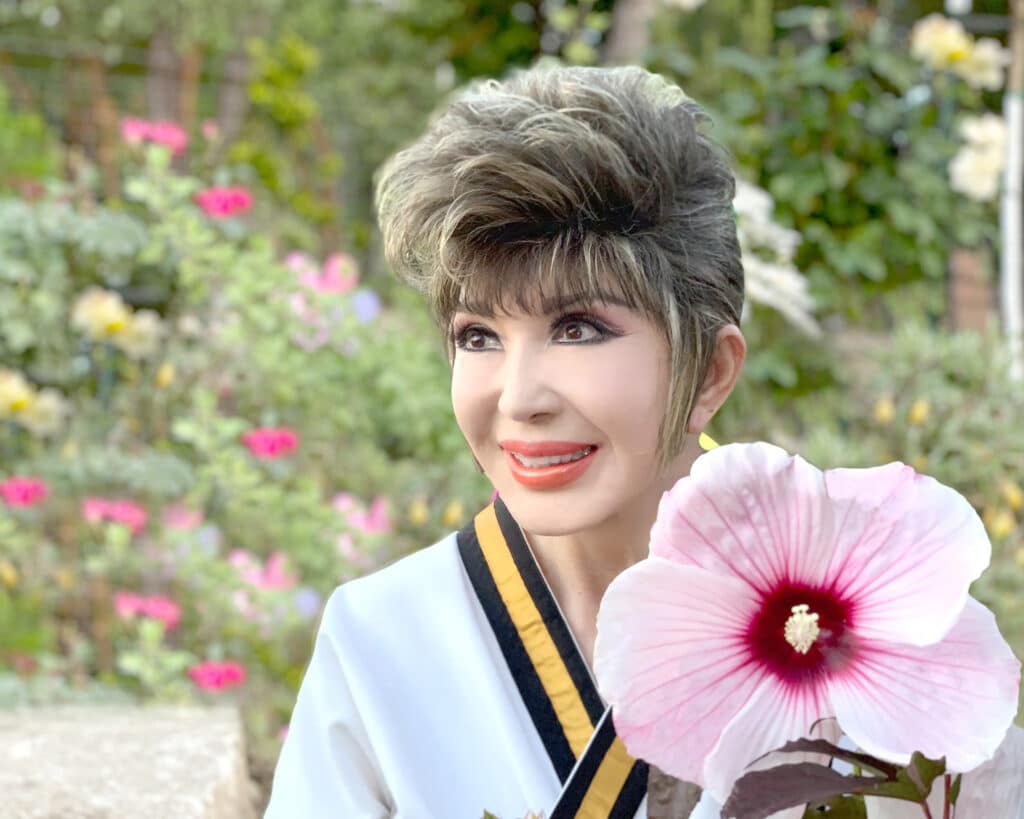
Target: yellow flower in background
[
  {"x": 454, "y": 513},
  {"x": 165, "y": 375},
  {"x": 141, "y": 336},
  {"x": 100, "y": 314},
  {"x": 1001, "y": 524},
  {"x": 1014, "y": 495},
  {"x": 984, "y": 65},
  {"x": 9, "y": 574},
  {"x": 919, "y": 412},
  {"x": 920, "y": 463},
  {"x": 46, "y": 414},
  {"x": 419, "y": 512},
  {"x": 939, "y": 42},
  {"x": 65, "y": 578},
  {"x": 884, "y": 410},
  {"x": 1020, "y": 558},
  {"x": 15, "y": 393}
]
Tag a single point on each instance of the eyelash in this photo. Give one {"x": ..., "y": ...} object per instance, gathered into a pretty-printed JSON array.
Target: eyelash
[{"x": 604, "y": 332}]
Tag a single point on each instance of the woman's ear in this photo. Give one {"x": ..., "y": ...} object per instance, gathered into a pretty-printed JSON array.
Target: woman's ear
[{"x": 723, "y": 371}]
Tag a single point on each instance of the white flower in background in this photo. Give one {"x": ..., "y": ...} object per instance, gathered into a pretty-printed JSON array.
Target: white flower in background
[
  {"x": 141, "y": 336},
  {"x": 976, "y": 174},
  {"x": 985, "y": 133},
  {"x": 685, "y": 5},
  {"x": 977, "y": 168},
  {"x": 45, "y": 415},
  {"x": 100, "y": 314},
  {"x": 984, "y": 65},
  {"x": 16, "y": 394},
  {"x": 939, "y": 42},
  {"x": 768, "y": 250}
]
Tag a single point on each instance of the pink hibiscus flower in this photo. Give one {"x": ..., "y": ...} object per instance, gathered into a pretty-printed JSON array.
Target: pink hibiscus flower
[
  {"x": 222, "y": 203},
  {"x": 274, "y": 575},
  {"x": 169, "y": 134},
  {"x": 126, "y": 512},
  {"x": 777, "y": 595},
  {"x": 217, "y": 676},
  {"x": 128, "y": 604},
  {"x": 271, "y": 442},
  {"x": 179, "y": 516},
  {"x": 22, "y": 491}
]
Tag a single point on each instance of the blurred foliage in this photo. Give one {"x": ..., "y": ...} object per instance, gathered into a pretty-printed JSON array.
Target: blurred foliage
[
  {"x": 28, "y": 151},
  {"x": 819, "y": 103}
]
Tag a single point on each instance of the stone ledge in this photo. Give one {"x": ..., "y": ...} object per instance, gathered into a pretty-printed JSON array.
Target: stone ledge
[{"x": 106, "y": 762}]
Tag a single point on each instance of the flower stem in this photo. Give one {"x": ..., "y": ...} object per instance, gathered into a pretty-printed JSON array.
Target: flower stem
[
  {"x": 945, "y": 808},
  {"x": 927, "y": 812}
]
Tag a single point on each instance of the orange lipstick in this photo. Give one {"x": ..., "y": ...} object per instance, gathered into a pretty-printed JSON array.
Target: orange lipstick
[{"x": 547, "y": 464}]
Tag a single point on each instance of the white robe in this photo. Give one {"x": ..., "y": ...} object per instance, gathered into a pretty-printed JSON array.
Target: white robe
[{"x": 408, "y": 708}]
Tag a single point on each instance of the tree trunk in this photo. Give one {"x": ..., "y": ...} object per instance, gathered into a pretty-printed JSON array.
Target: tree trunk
[
  {"x": 163, "y": 71},
  {"x": 188, "y": 92},
  {"x": 107, "y": 137},
  {"x": 629, "y": 35},
  {"x": 233, "y": 98}
]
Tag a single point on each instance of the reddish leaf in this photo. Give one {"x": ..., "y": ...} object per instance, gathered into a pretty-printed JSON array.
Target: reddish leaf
[{"x": 759, "y": 794}]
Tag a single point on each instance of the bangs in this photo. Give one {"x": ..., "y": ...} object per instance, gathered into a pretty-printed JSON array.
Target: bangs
[{"x": 542, "y": 279}]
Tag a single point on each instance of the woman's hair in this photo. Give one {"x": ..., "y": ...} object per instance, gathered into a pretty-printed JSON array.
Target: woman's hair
[{"x": 573, "y": 183}]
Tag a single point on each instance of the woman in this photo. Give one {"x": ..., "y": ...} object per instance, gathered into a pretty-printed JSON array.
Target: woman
[{"x": 572, "y": 230}]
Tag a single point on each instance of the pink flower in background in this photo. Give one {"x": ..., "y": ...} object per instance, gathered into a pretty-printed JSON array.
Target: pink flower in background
[
  {"x": 125, "y": 512},
  {"x": 133, "y": 130},
  {"x": 271, "y": 442},
  {"x": 210, "y": 130},
  {"x": 375, "y": 520},
  {"x": 179, "y": 516},
  {"x": 169, "y": 134},
  {"x": 777, "y": 595},
  {"x": 347, "y": 548},
  {"x": 128, "y": 604},
  {"x": 339, "y": 275},
  {"x": 221, "y": 203},
  {"x": 272, "y": 576},
  {"x": 217, "y": 676},
  {"x": 163, "y": 609},
  {"x": 22, "y": 491}
]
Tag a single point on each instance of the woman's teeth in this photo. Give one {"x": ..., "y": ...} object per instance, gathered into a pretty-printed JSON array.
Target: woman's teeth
[{"x": 553, "y": 460}]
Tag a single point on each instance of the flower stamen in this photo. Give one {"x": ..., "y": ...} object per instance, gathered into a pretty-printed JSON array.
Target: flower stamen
[{"x": 802, "y": 628}]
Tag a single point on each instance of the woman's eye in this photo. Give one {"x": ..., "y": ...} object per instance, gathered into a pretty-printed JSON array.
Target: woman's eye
[
  {"x": 475, "y": 339},
  {"x": 578, "y": 331}
]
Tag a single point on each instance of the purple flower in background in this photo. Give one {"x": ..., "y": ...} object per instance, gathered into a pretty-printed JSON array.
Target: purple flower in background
[
  {"x": 308, "y": 601},
  {"x": 366, "y": 303}
]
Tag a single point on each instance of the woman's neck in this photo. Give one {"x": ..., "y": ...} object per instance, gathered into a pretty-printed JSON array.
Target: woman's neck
[{"x": 580, "y": 566}]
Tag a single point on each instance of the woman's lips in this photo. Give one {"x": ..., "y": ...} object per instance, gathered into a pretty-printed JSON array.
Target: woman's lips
[{"x": 547, "y": 476}]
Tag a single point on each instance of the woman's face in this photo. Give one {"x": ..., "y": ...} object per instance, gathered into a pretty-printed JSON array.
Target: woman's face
[{"x": 562, "y": 409}]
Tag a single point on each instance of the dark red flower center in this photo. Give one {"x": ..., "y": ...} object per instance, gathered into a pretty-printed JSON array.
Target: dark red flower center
[{"x": 819, "y": 639}]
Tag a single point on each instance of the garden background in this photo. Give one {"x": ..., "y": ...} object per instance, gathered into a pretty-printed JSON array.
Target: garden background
[{"x": 216, "y": 405}]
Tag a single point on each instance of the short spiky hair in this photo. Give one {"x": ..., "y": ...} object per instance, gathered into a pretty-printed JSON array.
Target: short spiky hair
[{"x": 568, "y": 182}]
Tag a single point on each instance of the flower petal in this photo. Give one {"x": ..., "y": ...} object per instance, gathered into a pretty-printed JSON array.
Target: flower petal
[
  {"x": 955, "y": 698},
  {"x": 775, "y": 713},
  {"x": 906, "y": 551},
  {"x": 750, "y": 510},
  {"x": 671, "y": 661}
]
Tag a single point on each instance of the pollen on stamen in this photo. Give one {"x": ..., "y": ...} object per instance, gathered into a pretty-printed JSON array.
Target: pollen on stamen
[{"x": 802, "y": 628}]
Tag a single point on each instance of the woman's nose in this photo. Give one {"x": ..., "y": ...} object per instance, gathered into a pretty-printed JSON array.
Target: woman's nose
[{"x": 528, "y": 390}]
